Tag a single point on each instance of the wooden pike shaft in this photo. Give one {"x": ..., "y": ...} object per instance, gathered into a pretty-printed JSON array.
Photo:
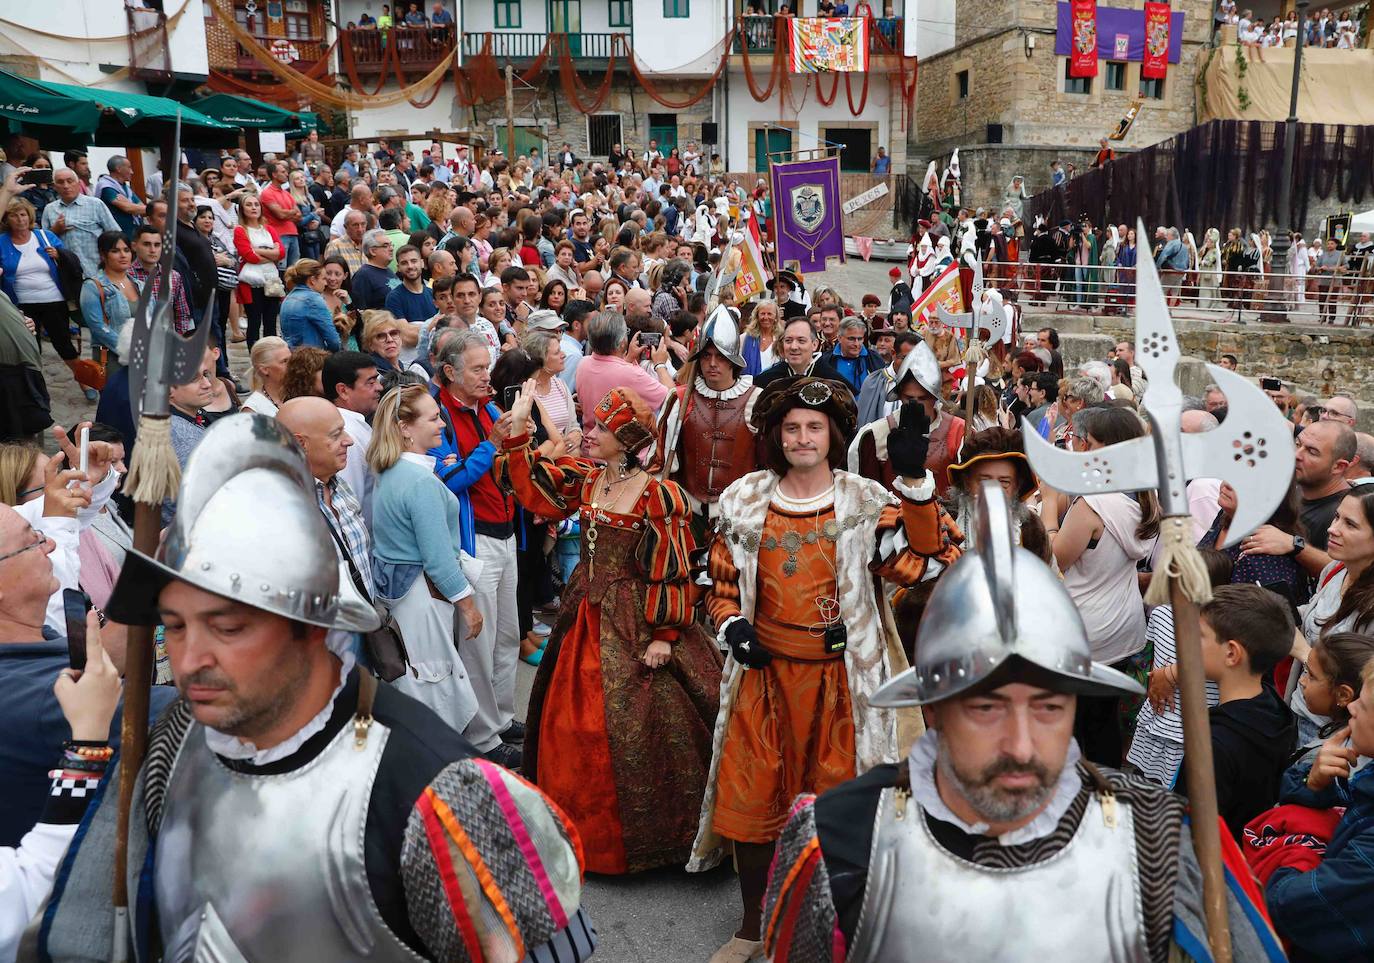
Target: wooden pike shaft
[
  {"x": 1197, "y": 763},
  {"x": 138, "y": 680}
]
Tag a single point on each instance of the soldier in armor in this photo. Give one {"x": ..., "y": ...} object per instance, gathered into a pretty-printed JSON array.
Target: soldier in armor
[
  {"x": 796, "y": 593},
  {"x": 705, "y": 433},
  {"x": 995, "y": 839},
  {"x": 290, "y": 807},
  {"x": 917, "y": 385}
]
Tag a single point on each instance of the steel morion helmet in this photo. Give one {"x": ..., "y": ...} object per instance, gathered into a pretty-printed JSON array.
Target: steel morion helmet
[
  {"x": 248, "y": 527},
  {"x": 921, "y": 365},
  {"x": 722, "y": 331},
  {"x": 998, "y": 604}
]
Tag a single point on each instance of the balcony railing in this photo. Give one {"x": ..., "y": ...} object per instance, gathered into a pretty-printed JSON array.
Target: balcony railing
[
  {"x": 527, "y": 46},
  {"x": 760, "y": 33},
  {"x": 419, "y": 48}
]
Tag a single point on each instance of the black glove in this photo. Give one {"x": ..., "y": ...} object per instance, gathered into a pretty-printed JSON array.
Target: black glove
[
  {"x": 908, "y": 443},
  {"x": 744, "y": 643}
]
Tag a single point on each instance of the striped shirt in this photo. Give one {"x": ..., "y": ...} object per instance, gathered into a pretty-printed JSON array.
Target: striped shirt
[
  {"x": 86, "y": 219},
  {"x": 346, "y": 249},
  {"x": 344, "y": 514},
  {"x": 1166, "y": 725}
]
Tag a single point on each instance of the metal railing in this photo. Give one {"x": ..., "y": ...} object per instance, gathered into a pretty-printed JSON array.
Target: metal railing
[
  {"x": 527, "y": 46},
  {"x": 1346, "y": 299},
  {"x": 761, "y": 34}
]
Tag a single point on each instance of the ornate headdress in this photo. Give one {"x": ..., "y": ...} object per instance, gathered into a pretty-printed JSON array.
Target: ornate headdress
[
  {"x": 818, "y": 394},
  {"x": 631, "y": 424}
]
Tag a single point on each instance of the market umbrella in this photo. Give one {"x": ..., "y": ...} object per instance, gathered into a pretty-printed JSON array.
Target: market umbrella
[
  {"x": 248, "y": 113},
  {"x": 63, "y": 115}
]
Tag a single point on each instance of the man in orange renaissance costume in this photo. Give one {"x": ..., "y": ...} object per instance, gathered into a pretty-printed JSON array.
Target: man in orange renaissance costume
[{"x": 795, "y": 594}]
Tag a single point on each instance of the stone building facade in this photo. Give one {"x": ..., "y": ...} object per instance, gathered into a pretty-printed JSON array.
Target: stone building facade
[{"x": 1001, "y": 85}]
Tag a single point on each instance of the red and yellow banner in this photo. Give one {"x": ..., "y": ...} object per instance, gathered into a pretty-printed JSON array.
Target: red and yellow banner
[
  {"x": 752, "y": 278},
  {"x": 1083, "y": 59},
  {"x": 1154, "y": 64},
  {"x": 828, "y": 44},
  {"x": 945, "y": 289}
]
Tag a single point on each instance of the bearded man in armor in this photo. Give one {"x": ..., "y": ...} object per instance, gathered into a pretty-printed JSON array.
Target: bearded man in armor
[
  {"x": 995, "y": 839},
  {"x": 916, "y": 386},
  {"x": 705, "y": 433},
  {"x": 290, "y": 807}
]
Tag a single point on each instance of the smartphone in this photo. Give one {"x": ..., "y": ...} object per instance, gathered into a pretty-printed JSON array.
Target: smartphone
[
  {"x": 1271, "y": 384},
  {"x": 650, "y": 339},
  {"x": 83, "y": 460},
  {"x": 508, "y": 395},
  {"x": 75, "y": 605},
  {"x": 39, "y": 176}
]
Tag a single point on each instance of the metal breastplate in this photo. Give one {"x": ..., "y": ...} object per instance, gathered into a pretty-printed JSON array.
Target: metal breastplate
[
  {"x": 259, "y": 868},
  {"x": 717, "y": 446},
  {"x": 922, "y": 902}
]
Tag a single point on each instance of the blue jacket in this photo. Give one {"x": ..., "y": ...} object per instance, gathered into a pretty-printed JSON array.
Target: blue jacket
[
  {"x": 1328, "y": 913},
  {"x": 9, "y": 260},
  {"x": 105, "y": 316},
  {"x": 414, "y": 528},
  {"x": 306, "y": 321},
  {"x": 1174, "y": 256},
  {"x": 463, "y": 473},
  {"x": 855, "y": 370}
]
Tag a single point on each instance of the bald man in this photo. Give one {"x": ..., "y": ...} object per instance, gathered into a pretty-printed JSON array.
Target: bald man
[
  {"x": 360, "y": 199},
  {"x": 319, "y": 430},
  {"x": 1361, "y": 470},
  {"x": 1341, "y": 409}
]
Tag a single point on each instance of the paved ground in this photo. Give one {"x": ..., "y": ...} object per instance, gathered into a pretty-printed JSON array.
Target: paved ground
[{"x": 667, "y": 916}]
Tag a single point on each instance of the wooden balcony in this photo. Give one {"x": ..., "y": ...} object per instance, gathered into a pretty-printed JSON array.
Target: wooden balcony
[
  {"x": 420, "y": 49},
  {"x": 760, "y": 34}
]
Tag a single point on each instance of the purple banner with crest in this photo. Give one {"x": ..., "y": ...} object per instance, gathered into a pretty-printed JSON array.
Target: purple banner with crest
[
  {"x": 1117, "y": 28},
  {"x": 806, "y": 202}
]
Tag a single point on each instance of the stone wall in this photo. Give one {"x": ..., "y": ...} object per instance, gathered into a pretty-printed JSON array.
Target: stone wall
[
  {"x": 1023, "y": 90},
  {"x": 987, "y": 169},
  {"x": 1311, "y": 359}
]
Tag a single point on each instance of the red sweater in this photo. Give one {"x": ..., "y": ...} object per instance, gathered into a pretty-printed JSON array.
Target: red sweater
[{"x": 247, "y": 255}]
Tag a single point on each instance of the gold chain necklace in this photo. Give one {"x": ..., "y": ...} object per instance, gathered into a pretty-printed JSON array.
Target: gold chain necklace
[{"x": 592, "y": 533}]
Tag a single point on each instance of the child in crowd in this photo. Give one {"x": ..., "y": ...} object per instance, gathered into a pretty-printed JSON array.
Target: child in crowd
[
  {"x": 1245, "y": 631},
  {"x": 1332, "y": 680},
  {"x": 1157, "y": 747},
  {"x": 1327, "y": 913}
]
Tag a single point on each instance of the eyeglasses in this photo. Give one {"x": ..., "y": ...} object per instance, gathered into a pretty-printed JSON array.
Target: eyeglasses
[
  {"x": 387, "y": 336},
  {"x": 41, "y": 541}
]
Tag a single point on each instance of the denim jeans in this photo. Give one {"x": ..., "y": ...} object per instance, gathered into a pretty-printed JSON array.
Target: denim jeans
[{"x": 292, "y": 243}]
